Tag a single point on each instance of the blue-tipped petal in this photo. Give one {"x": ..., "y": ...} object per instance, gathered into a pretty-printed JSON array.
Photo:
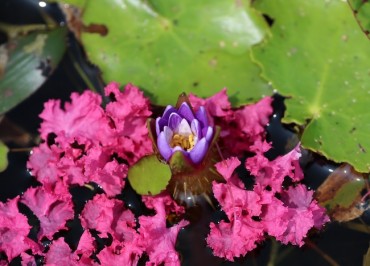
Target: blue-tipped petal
[
  {"x": 199, "y": 151},
  {"x": 183, "y": 128},
  {"x": 163, "y": 146},
  {"x": 209, "y": 134},
  {"x": 168, "y": 111},
  {"x": 186, "y": 112},
  {"x": 201, "y": 115},
  {"x": 195, "y": 128},
  {"x": 174, "y": 121}
]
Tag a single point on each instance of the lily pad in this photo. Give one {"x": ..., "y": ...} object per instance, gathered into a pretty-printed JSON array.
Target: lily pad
[
  {"x": 341, "y": 195},
  {"x": 3, "y": 156},
  {"x": 318, "y": 57},
  {"x": 169, "y": 47},
  {"x": 26, "y": 62},
  {"x": 361, "y": 10},
  {"x": 149, "y": 176}
]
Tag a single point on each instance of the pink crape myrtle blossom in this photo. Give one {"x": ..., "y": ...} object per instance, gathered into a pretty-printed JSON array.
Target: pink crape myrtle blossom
[
  {"x": 240, "y": 128},
  {"x": 158, "y": 240},
  {"x": 272, "y": 173},
  {"x": 52, "y": 210},
  {"x": 242, "y": 233},
  {"x": 108, "y": 216},
  {"x": 14, "y": 229},
  {"x": 252, "y": 214},
  {"x": 60, "y": 254},
  {"x": 87, "y": 139},
  {"x": 129, "y": 112}
]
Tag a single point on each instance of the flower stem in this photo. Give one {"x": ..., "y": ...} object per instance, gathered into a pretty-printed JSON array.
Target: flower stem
[
  {"x": 273, "y": 253},
  {"x": 325, "y": 256}
]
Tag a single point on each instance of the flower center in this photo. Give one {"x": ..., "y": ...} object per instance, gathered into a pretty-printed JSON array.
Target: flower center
[{"x": 185, "y": 142}]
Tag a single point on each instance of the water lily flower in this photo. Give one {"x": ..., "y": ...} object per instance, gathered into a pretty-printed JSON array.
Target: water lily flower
[{"x": 179, "y": 129}]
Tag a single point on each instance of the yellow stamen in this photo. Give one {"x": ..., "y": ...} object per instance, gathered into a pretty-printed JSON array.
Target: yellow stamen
[{"x": 185, "y": 142}]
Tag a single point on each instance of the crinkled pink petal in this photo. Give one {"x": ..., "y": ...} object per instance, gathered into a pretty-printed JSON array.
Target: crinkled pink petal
[
  {"x": 27, "y": 260},
  {"x": 217, "y": 105},
  {"x": 273, "y": 217},
  {"x": 300, "y": 215},
  {"x": 235, "y": 239},
  {"x": 272, "y": 173},
  {"x": 104, "y": 215},
  {"x": 86, "y": 245},
  {"x": 124, "y": 228},
  {"x": 60, "y": 254},
  {"x": 158, "y": 240},
  {"x": 52, "y": 210},
  {"x": 107, "y": 173},
  {"x": 119, "y": 254},
  {"x": 233, "y": 198},
  {"x": 14, "y": 229},
  {"x": 82, "y": 117},
  {"x": 165, "y": 199},
  {"x": 227, "y": 167},
  {"x": 253, "y": 118},
  {"x": 43, "y": 164},
  {"x": 129, "y": 111}
]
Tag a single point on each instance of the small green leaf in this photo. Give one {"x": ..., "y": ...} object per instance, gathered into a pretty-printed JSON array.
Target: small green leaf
[
  {"x": 361, "y": 10},
  {"x": 3, "y": 156},
  {"x": 26, "y": 62},
  {"x": 149, "y": 176},
  {"x": 318, "y": 57},
  {"x": 340, "y": 193},
  {"x": 168, "y": 47}
]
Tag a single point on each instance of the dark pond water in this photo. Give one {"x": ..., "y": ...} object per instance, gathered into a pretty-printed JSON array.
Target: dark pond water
[{"x": 346, "y": 246}]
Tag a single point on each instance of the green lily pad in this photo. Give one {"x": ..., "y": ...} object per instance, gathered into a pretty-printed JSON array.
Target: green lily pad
[
  {"x": 3, "y": 156},
  {"x": 26, "y": 62},
  {"x": 169, "y": 47},
  {"x": 318, "y": 57},
  {"x": 149, "y": 176},
  {"x": 361, "y": 10}
]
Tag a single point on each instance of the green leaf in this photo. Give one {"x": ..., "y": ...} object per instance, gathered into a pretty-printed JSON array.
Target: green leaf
[
  {"x": 169, "y": 47},
  {"x": 3, "y": 156},
  {"x": 149, "y": 176},
  {"x": 361, "y": 10},
  {"x": 26, "y": 62},
  {"x": 341, "y": 192},
  {"x": 318, "y": 57}
]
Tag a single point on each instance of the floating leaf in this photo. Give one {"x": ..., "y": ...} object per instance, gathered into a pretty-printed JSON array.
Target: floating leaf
[
  {"x": 318, "y": 56},
  {"x": 361, "y": 10},
  {"x": 26, "y": 62},
  {"x": 340, "y": 193},
  {"x": 149, "y": 176},
  {"x": 3, "y": 156},
  {"x": 168, "y": 47}
]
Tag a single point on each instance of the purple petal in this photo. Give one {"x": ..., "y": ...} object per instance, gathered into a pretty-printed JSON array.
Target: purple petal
[
  {"x": 183, "y": 128},
  {"x": 168, "y": 133},
  {"x": 186, "y": 112},
  {"x": 159, "y": 124},
  {"x": 198, "y": 152},
  {"x": 201, "y": 115},
  {"x": 168, "y": 111},
  {"x": 174, "y": 121},
  {"x": 163, "y": 146},
  {"x": 209, "y": 134},
  {"x": 195, "y": 128}
]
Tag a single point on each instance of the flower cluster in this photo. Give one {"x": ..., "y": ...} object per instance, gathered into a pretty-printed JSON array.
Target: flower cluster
[{"x": 84, "y": 143}]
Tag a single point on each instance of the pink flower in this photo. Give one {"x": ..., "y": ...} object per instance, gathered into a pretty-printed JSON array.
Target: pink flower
[
  {"x": 14, "y": 229},
  {"x": 52, "y": 210}
]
